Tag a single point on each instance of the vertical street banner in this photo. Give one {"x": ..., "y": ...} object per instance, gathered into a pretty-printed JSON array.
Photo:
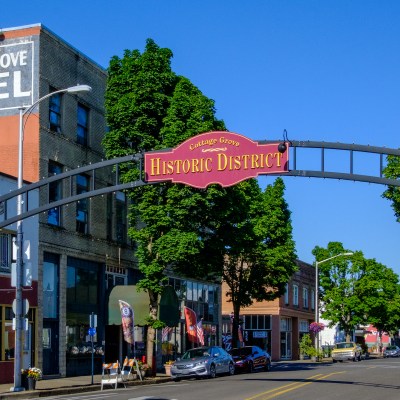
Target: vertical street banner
[
  {"x": 191, "y": 324},
  {"x": 127, "y": 317}
]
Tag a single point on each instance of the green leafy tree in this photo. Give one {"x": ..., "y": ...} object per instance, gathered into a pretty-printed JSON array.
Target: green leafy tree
[
  {"x": 175, "y": 226},
  {"x": 149, "y": 107},
  {"x": 357, "y": 291},
  {"x": 392, "y": 193},
  {"x": 338, "y": 278},
  {"x": 380, "y": 291},
  {"x": 260, "y": 252}
]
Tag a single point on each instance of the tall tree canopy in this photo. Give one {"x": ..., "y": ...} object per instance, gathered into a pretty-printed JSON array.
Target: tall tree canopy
[
  {"x": 356, "y": 291},
  {"x": 260, "y": 252},
  {"x": 392, "y": 193},
  {"x": 149, "y": 107},
  {"x": 176, "y": 227}
]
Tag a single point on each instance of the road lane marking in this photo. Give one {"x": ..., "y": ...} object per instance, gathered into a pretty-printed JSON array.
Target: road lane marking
[
  {"x": 292, "y": 386},
  {"x": 280, "y": 387}
]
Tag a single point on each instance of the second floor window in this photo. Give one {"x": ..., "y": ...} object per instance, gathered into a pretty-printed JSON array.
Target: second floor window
[
  {"x": 287, "y": 293},
  {"x": 120, "y": 217},
  {"x": 312, "y": 299},
  {"x": 82, "y": 206},
  {"x": 295, "y": 295},
  {"x": 83, "y": 125},
  {"x": 55, "y": 112},
  {"x": 305, "y": 298},
  {"x": 55, "y": 193}
]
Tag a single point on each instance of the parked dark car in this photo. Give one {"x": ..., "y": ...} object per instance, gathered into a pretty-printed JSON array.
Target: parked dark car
[
  {"x": 203, "y": 362},
  {"x": 250, "y": 358},
  {"x": 391, "y": 351}
]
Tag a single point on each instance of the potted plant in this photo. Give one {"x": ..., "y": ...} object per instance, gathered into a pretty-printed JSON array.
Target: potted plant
[
  {"x": 306, "y": 347},
  {"x": 30, "y": 376},
  {"x": 168, "y": 366},
  {"x": 144, "y": 369}
]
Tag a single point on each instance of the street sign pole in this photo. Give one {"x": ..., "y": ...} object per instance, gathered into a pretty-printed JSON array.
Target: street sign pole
[{"x": 92, "y": 332}]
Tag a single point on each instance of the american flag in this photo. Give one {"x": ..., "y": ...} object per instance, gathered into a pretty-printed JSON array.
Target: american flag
[
  {"x": 164, "y": 333},
  {"x": 200, "y": 332}
]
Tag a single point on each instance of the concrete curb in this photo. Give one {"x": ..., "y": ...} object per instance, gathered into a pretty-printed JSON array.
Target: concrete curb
[{"x": 76, "y": 389}]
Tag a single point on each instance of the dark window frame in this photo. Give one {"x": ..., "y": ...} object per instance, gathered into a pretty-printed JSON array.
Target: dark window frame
[
  {"x": 82, "y": 130},
  {"x": 55, "y": 111},
  {"x": 82, "y": 206},
  {"x": 55, "y": 193}
]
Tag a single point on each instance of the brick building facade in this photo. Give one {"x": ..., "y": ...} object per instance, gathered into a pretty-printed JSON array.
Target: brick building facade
[
  {"x": 79, "y": 251},
  {"x": 278, "y": 325}
]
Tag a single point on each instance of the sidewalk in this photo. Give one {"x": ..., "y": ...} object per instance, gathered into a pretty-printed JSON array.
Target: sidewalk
[{"x": 77, "y": 384}]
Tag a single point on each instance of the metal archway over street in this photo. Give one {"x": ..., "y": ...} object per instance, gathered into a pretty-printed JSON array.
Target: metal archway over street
[{"x": 228, "y": 157}]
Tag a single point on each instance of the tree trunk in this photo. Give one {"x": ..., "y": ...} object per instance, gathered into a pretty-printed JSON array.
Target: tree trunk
[
  {"x": 151, "y": 332},
  {"x": 235, "y": 326}
]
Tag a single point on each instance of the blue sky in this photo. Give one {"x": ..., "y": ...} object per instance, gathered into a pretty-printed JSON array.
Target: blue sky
[{"x": 322, "y": 70}]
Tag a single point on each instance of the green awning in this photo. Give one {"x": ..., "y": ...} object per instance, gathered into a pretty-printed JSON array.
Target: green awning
[{"x": 139, "y": 301}]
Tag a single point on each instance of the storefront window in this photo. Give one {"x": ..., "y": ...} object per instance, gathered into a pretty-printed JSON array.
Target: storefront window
[
  {"x": 50, "y": 289},
  {"x": 8, "y": 342},
  {"x": 82, "y": 300}
]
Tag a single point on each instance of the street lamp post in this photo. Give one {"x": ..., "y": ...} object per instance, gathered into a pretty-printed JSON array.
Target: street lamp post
[
  {"x": 19, "y": 313},
  {"x": 317, "y": 263}
]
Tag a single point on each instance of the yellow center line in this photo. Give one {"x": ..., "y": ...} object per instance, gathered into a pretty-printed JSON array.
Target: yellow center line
[
  {"x": 280, "y": 387},
  {"x": 292, "y": 386}
]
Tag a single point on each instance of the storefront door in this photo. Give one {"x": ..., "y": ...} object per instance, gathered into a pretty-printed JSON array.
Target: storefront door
[
  {"x": 286, "y": 345},
  {"x": 50, "y": 347}
]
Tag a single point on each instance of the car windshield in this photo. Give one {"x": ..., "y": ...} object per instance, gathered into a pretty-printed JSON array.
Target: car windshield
[
  {"x": 391, "y": 348},
  {"x": 246, "y": 351},
  {"x": 344, "y": 345},
  {"x": 195, "y": 353}
]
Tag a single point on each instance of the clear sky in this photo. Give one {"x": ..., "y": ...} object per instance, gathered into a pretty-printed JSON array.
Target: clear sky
[{"x": 322, "y": 70}]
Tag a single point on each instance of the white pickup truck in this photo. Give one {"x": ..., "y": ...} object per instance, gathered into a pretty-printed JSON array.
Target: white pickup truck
[{"x": 346, "y": 351}]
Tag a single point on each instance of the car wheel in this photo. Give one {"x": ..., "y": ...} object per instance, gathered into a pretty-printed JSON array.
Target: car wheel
[
  {"x": 213, "y": 371},
  {"x": 231, "y": 369},
  {"x": 268, "y": 366},
  {"x": 359, "y": 357},
  {"x": 176, "y": 379},
  {"x": 250, "y": 368},
  {"x": 334, "y": 361}
]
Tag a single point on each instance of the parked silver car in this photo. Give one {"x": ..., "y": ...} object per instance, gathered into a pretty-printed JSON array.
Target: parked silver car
[{"x": 203, "y": 362}]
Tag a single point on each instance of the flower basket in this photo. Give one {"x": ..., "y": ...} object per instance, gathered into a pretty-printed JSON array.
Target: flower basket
[
  {"x": 29, "y": 377},
  {"x": 316, "y": 327}
]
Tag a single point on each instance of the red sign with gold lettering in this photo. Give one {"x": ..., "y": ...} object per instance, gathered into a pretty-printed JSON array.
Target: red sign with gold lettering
[{"x": 225, "y": 158}]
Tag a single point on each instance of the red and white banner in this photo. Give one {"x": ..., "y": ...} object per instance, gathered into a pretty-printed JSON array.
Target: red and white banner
[
  {"x": 191, "y": 324},
  {"x": 127, "y": 317}
]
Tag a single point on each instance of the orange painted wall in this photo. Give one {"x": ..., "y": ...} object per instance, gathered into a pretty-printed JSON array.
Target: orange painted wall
[
  {"x": 262, "y": 307},
  {"x": 35, "y": 30},
  {"x": 9, "y": 138}
]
